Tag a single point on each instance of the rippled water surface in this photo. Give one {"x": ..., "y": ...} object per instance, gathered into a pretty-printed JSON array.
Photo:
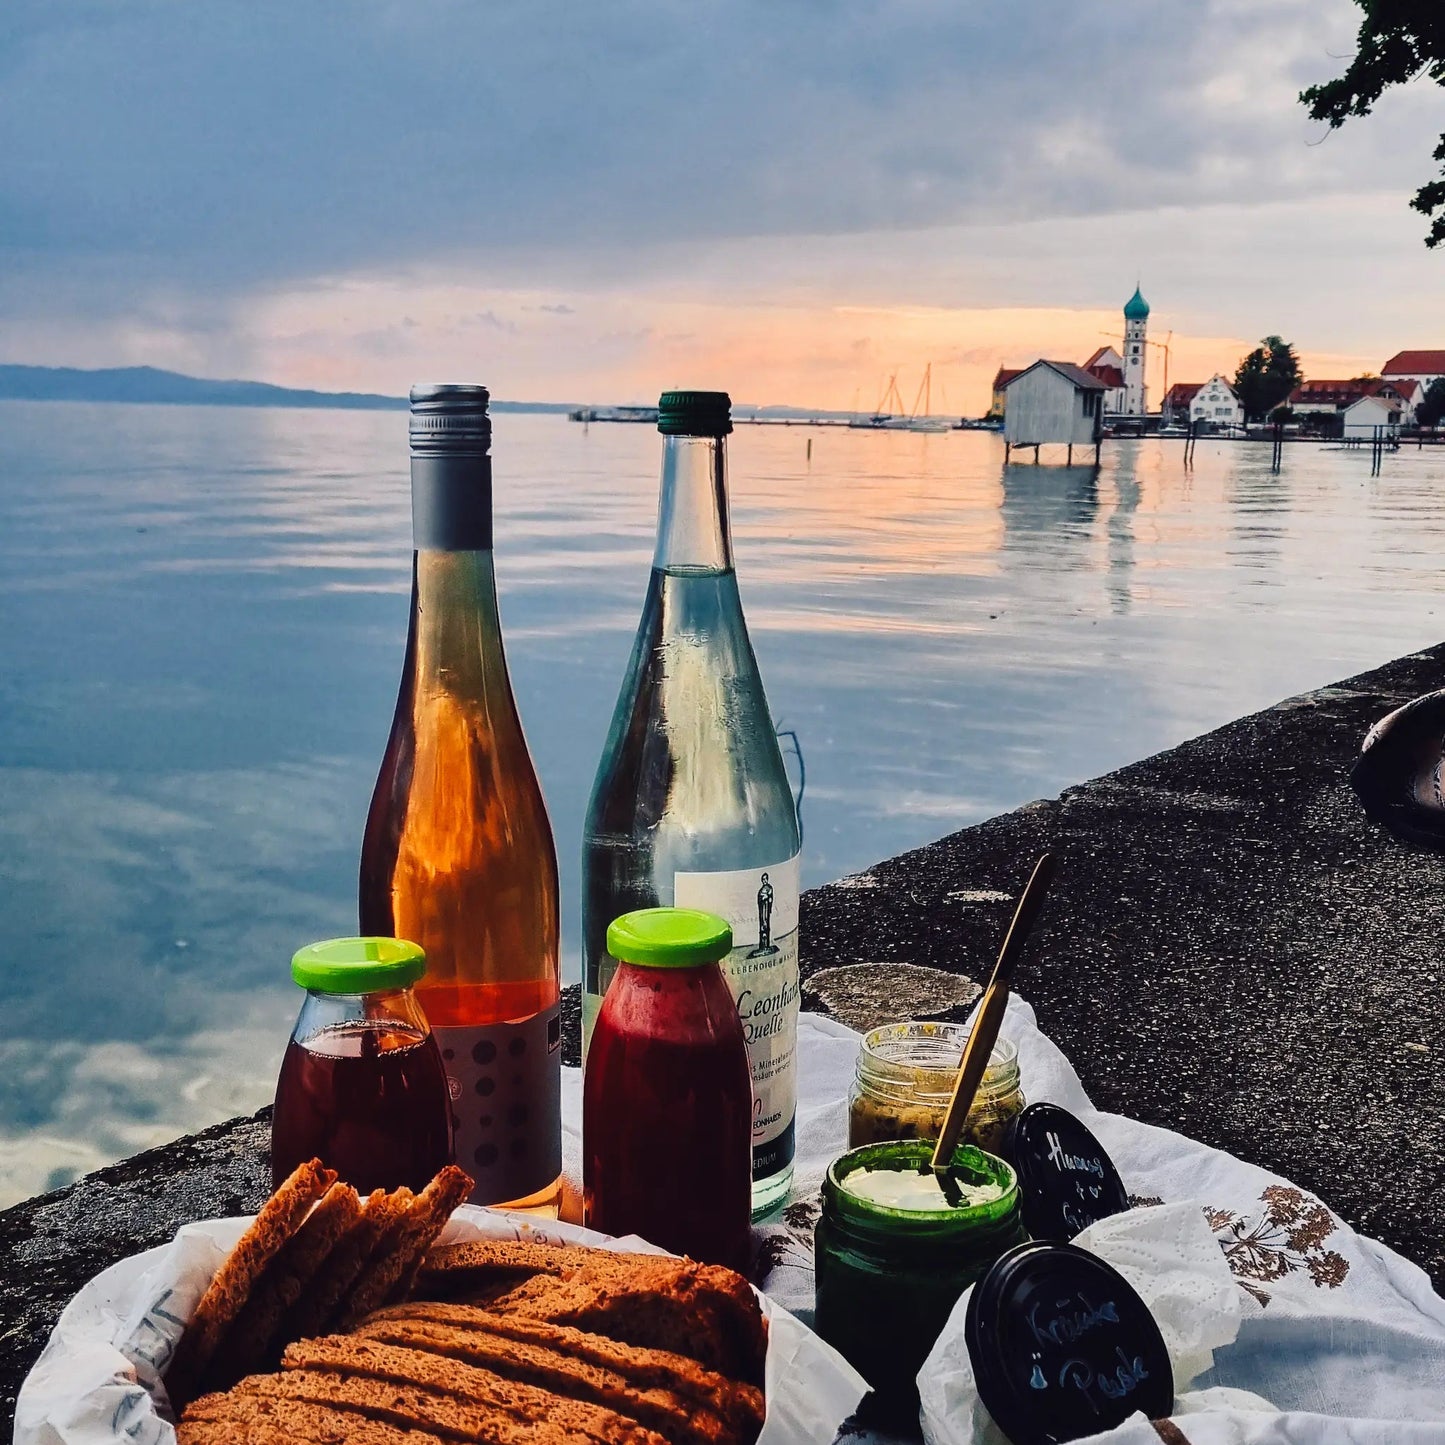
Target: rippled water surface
[{"x": 203, "y": 617}]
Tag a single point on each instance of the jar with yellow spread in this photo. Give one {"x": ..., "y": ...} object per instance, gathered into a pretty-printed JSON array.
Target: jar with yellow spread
[{"x": 905, "y": 1079}]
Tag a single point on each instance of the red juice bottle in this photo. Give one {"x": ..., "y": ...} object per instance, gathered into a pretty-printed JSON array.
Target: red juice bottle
[
  {"x": 362, "y": 1085},
  {"x": 667, "y": 1098}
]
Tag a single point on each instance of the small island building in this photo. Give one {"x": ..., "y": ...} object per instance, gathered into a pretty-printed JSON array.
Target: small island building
[{"x": 1053, "y": 403}]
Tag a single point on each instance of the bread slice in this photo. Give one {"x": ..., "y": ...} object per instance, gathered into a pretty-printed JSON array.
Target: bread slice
[
  {"x": 701, "y": 1310},
  {"x": 280, "y": 1217},
  {"x": 692, "y": 1314},
  {"x": 465, "y": 1396},
  {"x": 380, "y": 1218},
  {"x": 255, "y": 1338},
  {"x": 680, "y": 1420},
  {"x": 391, "y": 1269},
  {"x": 235, "y": 1419},
  {"x": 455, "y": 1271},
  {"x": 394, "y": 1403},
  {"x": 740, "y": 1406}
]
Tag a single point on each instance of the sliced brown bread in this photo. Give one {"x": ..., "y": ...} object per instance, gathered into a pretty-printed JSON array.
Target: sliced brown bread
[
  {"x": 701, "y": 1310},
  {"x": 396, "y": 1402},
  {"x": 255, "y": 1339},
  {"x": 739, "y": 1405},
  {"x": 381, "y": 1216},
  {"x": 391, "y": 1268},
  {"x": 691, "y": 1316},
  {"x": 453, "y": 1271},
  {"x": 382, "y": 1404},
  {"x": 280, "y": 1217},
  {"x": 481, "y": 1393},
  {"x": 234, "y": 1419},
  {"x": 680, "y": 1420}
]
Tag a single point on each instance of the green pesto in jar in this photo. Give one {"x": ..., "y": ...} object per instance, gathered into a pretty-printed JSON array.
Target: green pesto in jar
[{"x": 889, "y": 1274}]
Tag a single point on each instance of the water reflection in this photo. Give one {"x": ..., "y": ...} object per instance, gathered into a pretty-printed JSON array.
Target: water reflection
[
  {"x": 205, "y": 613},
  {"x": 1049, "y": 514},
  {"x": 1121, "y": 531}
]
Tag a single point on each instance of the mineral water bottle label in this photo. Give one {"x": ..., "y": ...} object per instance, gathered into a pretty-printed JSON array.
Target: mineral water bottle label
[
  {"x": 505, "y": 1082},
  {"x": 761, "y": 904}
]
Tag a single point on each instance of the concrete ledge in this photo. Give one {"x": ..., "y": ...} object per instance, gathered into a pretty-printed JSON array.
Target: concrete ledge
[{"x": 1231, "y": 949}]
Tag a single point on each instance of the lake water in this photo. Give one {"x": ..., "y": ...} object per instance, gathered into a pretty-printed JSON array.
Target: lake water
[{"x": 203, "y": 618}]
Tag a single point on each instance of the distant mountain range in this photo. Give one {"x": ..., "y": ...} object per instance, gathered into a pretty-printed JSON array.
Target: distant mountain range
[
  {"x": 171, "y": 388},
  {"x": 148, "y": 384}
]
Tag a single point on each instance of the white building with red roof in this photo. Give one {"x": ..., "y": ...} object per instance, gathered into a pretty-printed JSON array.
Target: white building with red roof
[
  {"x": 1107, "y": 365},
  {"x": 1421, "y": 366},
  {"x": 1216, "y": 403}
]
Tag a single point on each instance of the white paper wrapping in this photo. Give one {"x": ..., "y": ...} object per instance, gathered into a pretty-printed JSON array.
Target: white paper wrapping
[
  {"x": 97, "y": 1383},
  {"x": 1172, "y": 1260}
]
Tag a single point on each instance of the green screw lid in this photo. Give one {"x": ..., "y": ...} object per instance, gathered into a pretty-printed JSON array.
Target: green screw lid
[
  {"x": 358, "y": 965},
  {"x": 669, "y": 938},
  {"x": 694, "y": 414}
]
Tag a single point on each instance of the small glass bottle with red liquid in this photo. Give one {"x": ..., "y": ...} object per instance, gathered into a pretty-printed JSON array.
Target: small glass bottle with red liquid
[
  {"x": 362, "y": 1085},
  {"x": 667, "y": 1097}
]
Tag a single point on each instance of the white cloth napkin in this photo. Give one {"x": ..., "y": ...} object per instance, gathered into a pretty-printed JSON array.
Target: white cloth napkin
[{"x": 1343, "y": 1335}]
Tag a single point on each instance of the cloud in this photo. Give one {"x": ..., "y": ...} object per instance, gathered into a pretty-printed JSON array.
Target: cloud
[
  {"x": 176, "y": 178},
  {"x": 245, "y": 143}
]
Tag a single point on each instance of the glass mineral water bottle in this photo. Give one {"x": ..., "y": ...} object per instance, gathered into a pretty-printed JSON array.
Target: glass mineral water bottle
[
  {"x": 692, "y": 806},
  {"x": 458, "y": 853}
]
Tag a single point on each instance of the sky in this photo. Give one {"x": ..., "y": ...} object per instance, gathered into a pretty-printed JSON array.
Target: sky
[{"x": 790, "y": 201}]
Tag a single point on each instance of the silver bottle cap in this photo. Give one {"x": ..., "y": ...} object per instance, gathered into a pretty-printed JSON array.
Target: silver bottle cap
[{"x": 449, "y": 419}]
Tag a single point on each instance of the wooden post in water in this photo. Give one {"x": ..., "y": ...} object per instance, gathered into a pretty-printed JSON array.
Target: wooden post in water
[
  {"x": 1278, "y": 455},
  {"x": 1069, "y": 456}
]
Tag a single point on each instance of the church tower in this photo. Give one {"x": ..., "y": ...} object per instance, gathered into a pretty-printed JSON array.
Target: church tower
[{"x": 1136, "y": 322}]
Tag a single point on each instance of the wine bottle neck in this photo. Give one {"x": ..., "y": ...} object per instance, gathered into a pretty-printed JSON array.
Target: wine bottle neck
[
  {"x": 451, "y": 503},
  {"x": 455, "y": 626},
  {"x": 693, "y": 533}
]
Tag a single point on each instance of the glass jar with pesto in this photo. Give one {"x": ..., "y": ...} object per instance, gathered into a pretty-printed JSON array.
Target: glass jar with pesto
[
  {"x": 905, "y": 1078},
  {"x": 895, "y": 1249}
]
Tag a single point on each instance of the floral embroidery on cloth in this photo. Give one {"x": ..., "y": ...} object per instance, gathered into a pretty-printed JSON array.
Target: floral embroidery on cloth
[{"x": 1288, "y": 1237}]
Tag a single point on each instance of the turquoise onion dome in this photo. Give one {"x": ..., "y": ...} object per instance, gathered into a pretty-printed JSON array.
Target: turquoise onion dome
[{"x": 1136, "y": 308}]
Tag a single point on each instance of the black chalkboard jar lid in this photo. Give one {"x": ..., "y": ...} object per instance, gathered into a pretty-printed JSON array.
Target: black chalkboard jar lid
[
  {"x": 1062, "y": 1346},
  {"x": 1066, "y": 1179}
]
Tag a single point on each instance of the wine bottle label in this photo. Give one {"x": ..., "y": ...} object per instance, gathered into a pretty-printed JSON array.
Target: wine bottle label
[
  {"x": 761, "y": 904},
  {"x": 505, "y": 1082}
]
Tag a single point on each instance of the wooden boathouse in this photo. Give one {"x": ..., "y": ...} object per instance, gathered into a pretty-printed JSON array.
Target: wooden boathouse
[{"x": 1054, "y": 402}]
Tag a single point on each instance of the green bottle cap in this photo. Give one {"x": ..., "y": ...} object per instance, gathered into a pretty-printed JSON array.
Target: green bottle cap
[
  {"x": 694, "y": 414},
  {"x": 669, "y": 938},
  {"x": 358, "y": 965}
]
